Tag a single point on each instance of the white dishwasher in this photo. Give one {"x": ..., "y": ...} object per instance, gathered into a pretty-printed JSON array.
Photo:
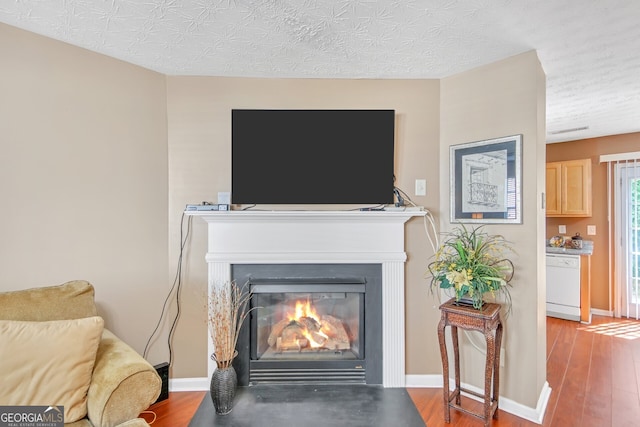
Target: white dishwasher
[{"x": 563, "y": 286}]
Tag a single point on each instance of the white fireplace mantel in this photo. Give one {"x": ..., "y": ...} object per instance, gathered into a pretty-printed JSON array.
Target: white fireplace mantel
[{"x": 320, "y": 237}]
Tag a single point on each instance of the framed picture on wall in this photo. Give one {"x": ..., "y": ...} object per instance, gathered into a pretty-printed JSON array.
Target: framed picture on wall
[{"x": 486, "y": 181}]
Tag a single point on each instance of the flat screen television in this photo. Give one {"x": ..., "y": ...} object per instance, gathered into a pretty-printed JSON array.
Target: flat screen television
[{"x": 312, "y": 156}]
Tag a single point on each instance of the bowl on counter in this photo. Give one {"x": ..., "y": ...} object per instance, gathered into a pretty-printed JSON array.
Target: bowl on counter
[{"x": 556, "y": 242}]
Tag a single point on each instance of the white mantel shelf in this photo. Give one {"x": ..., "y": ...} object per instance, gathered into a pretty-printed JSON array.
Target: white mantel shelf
[
  {"x": 306, "y": 214},
  {"x": 306, "y": 236},
  {"x": 398, "y": 217},
  {"x": 322, "y": 237}
]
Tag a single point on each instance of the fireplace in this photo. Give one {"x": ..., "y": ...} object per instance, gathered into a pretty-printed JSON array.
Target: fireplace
[
  {"x": 313, "y": 323},
  {"x": 376, "y": 238}
]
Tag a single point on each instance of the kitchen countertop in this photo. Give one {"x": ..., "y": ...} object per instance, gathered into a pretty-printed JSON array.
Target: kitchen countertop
[{"x": 587, "y": 249}]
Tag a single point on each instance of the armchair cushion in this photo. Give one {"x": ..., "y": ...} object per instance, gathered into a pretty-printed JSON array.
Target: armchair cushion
[
  {"x": 49, "y": 363},
  {"x": 71, "y": 300}
]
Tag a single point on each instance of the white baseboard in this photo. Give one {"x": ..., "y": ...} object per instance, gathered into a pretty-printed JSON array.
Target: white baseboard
[
  {"x": 189, "y": 384},
  {"x": 599, "y": 312},
  {"x": 535, "y": 415}
]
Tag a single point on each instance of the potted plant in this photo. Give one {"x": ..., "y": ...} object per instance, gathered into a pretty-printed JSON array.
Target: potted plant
[
  {"x": 472, "y": 263},
  {"x": 228, "y": 308}
]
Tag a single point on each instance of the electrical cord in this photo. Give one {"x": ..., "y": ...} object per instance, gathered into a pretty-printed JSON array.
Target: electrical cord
[
  {"x": 177, "y": 285},
  {"x": 432, "y": 236},
  {"x": 152, "y": 413},
  {"x": 429, "y": 222},
  {"x": 399, "y": 198},
  {"x": 402, "y": 196},
  {"x": 428, "y": 219},
  {"x": 183, "y": 241}
]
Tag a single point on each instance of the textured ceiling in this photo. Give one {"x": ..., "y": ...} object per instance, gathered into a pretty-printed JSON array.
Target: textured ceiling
[{"x": 589, "y": 49}]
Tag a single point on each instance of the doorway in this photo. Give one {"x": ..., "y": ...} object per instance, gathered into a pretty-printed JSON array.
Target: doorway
[{"x": 627, "y": 239}]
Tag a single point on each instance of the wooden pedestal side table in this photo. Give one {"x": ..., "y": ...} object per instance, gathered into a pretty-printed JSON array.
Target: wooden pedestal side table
[{"x": 489, "y": 323}]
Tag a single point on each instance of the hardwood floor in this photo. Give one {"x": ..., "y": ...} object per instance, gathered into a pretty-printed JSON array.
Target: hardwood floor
[
  {"x": 593, "y": 371},
  {"x": 176, "y": 411}
]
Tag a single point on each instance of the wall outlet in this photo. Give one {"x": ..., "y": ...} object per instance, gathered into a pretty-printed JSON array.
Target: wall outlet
[
  {"x": 562, "y": 229},
  {"x": 591, "y": 230},
  {"x": 421, "y": 187},
  {"x": 224, "y": 198}
]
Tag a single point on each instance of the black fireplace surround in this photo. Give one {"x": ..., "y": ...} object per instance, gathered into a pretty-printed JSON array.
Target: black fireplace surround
[{"x": 351, "y": 293}]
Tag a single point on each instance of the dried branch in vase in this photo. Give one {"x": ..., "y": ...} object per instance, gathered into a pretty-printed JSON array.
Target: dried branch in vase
[{"x": 228, "y": 308}]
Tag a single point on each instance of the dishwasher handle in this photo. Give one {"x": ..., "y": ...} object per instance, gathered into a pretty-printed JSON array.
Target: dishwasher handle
[{"x": 563, "y": 261}]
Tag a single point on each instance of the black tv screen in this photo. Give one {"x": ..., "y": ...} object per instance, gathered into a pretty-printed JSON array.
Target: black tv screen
[{"x": 312, "y": 156}]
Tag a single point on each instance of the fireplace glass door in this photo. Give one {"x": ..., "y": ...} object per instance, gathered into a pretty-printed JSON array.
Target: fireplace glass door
[{"x": 307, "y": 329}]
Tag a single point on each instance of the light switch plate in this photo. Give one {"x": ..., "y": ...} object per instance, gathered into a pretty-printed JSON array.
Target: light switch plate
[
  {"x": 562, "y": 229},
  {"x": 421, "y": 187},
  {"x": 591, "y": 230}
]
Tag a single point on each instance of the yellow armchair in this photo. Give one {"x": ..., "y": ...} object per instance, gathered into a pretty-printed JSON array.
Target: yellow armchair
[{"x": 122, "y": 383}]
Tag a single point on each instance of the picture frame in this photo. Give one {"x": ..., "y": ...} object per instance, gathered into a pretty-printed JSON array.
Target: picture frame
[{"x": 486, "y": 181}]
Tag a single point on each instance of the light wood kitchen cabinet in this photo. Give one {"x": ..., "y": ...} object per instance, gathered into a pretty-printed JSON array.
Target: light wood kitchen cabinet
[{"x": 568, "y": 188}]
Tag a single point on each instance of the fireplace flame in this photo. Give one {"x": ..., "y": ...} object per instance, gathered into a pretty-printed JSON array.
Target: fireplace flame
[
  {"x": 305, "y": 309},
  {"x": 302, "y": 328}
]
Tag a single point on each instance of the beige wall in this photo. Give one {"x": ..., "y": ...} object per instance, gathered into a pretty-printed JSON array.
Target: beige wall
[
  {"x": 497, "y": 100},
  {"x": 199, "y": 111},
  {"x": 81, "y": 129},
  {"x": 592, "y": 149},
  {"x": 501, "y": 99},
  {"x": 83, "y": 178}
]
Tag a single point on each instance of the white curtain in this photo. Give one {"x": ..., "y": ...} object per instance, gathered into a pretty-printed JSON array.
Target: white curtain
[{"x": 623, "y": 184}]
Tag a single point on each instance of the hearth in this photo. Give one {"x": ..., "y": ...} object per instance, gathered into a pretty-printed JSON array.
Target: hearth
[
  {"x": 349, "y": 405},
  {"x": 315, "y": 323}
]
